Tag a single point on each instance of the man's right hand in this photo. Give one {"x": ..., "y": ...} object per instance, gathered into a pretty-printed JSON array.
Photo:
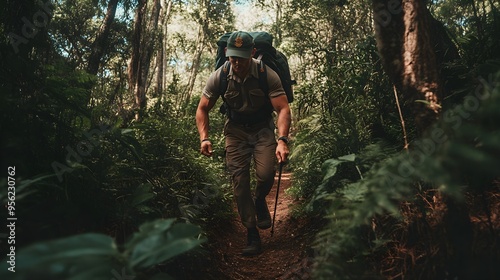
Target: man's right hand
[{"x": 206, "y": 148}]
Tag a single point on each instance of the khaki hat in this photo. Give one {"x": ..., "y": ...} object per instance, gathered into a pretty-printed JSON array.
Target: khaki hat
[{"x": 240, "y": 44}]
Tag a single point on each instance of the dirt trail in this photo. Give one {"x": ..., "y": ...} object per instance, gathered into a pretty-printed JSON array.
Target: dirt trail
[{"x": 284, "y": 254}]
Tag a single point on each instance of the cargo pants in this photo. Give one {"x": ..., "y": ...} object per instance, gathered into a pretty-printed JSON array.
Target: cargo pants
[{"x": 244, "y": 143}]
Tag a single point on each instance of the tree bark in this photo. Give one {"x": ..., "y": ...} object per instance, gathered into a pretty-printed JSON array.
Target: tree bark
[
  {"x": 420, "y": 72},
  {"x": 101, "y": 41},
  {"x": 403, "y": 33},
  {"x": 143, "y": 43},
  {"x": 159, "y": 71},
  {"x": 412, "y": 45},
  {"x": 166, "y": 20}
]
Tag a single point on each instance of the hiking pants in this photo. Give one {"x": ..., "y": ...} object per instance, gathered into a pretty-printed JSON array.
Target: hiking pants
[{"x": 244, "y": 142}]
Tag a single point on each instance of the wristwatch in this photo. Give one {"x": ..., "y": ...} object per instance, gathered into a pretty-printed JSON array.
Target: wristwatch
[{"x": 284, "y": 139}]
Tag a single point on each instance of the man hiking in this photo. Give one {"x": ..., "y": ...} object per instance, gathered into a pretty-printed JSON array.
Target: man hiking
[{"x": 249, "y": 130}]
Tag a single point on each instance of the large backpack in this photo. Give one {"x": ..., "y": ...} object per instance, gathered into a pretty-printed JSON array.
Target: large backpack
[{"x": 271, "y": 57}]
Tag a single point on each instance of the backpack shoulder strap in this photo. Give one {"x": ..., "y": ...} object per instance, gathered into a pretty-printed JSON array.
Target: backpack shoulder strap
[
  {"x": 264, "y": 86},
  {"x": 223, "y": 78},
  {"x": 223, "y": 83},
  {"x": 263, "y": 77}
]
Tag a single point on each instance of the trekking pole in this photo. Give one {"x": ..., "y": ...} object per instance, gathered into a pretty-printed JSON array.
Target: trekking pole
[{"x": 277, "y": 192}]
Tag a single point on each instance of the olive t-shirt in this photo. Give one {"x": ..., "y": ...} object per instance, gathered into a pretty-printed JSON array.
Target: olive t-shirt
[{"x": 244, "y": 96}]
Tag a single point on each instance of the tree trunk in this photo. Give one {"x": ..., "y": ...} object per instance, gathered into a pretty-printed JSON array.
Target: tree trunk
[
  {"x": 412, "y": 44},
  {"x": 162, "y": 57},
  {"x": 200, "y": 45},
  {"x": 166, "y": 20},
  {"x": 196, "y": 62},
  {"x": 143, "y": 43},
  {"x": 135, "y": 58},
  {"x": 159, "y": 71},
  {"x": 279, "y": 34},
  {"x": 101, "y": 41},
  {"x": 403, "y": 33}
]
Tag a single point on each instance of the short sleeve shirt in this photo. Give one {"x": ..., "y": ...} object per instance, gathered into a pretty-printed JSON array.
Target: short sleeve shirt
[{"x": 245, "y": 96}]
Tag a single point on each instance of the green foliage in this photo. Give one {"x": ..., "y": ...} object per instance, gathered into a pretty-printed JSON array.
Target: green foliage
[
  {"x": 97, "y": 256},
  {"x": 322, "y": 193},
  {"x": 460, "y": 149},
  {"x": 116, "y": 178},
  {"x": 126, "y": 173},
  {"x": 342, "y": 120},
  {"x": 75, "y": 156},
  {"x": 474, "y": 27},
  {"x": 158, "y": 242}
]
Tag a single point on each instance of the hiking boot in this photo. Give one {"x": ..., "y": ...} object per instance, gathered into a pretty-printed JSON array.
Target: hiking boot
[
  {"x": 263, "y": 215},
  {"x": 252, "y": 249},
  {"x": 253, "y": 243}
]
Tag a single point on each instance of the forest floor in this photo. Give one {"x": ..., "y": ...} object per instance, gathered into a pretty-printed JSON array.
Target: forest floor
[{"x": 286, "y": 254}]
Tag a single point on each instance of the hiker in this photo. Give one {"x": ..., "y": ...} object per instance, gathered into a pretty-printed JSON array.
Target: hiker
[{"x": 249, "y": 131}]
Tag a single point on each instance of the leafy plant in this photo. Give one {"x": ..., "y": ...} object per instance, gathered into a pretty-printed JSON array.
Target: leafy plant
[
  {"x": 392, "y": 197},
  {"x": 340, "y": 111},
  {"x": 97, "y": 256}
]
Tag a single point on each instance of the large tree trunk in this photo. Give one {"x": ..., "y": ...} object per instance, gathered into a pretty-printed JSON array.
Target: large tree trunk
[
  {"x": 101, "y": 41},
  {"x": 405, "y": 43},
  {"x": 134, "y": 77},
  {"x": 412, "y": 45},
  {"x": 143, "y": 43},
  {"x": 420, "y": 73}
]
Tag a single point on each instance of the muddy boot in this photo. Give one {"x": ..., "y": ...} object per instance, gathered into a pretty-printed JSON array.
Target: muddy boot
[
  {"x": 263, "y": 215},
  {"x": 253, "y": 243}
]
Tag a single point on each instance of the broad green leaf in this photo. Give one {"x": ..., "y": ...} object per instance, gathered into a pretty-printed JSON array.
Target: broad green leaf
[
  {"x": 183, "y": 230},
  {"x": 161, "y": 246},
  {"x": 147, "y": 229},
  {"x": 142, "y": 193},
  {"x": 349, "y": 158},
  {"x": 85, "y": 256},
  {"x": 126, "y": 131},
  {"x": 329, "y": 168},
  {"x": 158, "y": 252}
]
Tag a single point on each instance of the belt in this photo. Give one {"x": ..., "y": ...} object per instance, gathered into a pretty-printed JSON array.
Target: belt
[{"x": 250, "y": 125}]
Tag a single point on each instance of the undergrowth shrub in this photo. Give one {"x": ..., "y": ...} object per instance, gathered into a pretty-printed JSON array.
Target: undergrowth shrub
[
  {"x": 412, "y": 208},
  {"x": 118, "y": 178},
  {"x": 338, "y": 114},
  {"x": 98, "y": 256},
  {"x": 114, "y": 180}
]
